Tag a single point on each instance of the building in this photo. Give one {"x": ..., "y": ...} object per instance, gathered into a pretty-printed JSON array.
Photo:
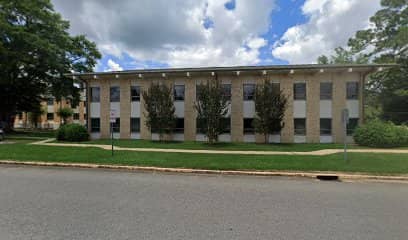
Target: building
[
  {"x": 316, "y": 94},
  {"x": 50, "y": 119}
]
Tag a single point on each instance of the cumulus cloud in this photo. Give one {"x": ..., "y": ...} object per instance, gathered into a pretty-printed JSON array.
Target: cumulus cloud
[
  {"x": 331, "y": 23},
  {"x": 113, "y": 66},
  {"x": 179, "y": 33}
]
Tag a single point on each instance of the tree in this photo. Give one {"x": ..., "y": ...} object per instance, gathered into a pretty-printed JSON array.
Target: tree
[
  {"x": 36, "y": 51},
  {"x": 212, "y": 108},
  {"x": 270, "y": 105},
  {"x": 35, "y": 115},
  {"x": 64, "y": 114},
  {"x": 159, "y": 104}
]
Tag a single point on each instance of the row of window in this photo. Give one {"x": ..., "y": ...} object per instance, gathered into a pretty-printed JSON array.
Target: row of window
[
  {"x": 299, "y": 92},
  {"x": 75, "y": 116},
  {"x": 299, "y": 126}
]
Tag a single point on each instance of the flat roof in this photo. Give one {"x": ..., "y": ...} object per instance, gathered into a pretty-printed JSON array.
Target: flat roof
[{"x": 368, "y": 67}]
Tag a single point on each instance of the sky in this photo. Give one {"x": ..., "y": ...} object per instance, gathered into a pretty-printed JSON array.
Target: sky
[{"x": 141, "y": 34}]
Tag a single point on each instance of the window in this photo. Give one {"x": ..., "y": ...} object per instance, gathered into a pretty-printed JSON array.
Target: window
[
  {"x": 50, "y": 116},
  {"x": 325, "y": 126},
  {"x": 352, "y": 90},
  {"x": 326, "y": 91},
  {"x": 95, "y": 124},
  {"x": 116, "y": 125},
  {"x": 351, "y": 126},
  {"x": 50, "y": 101},
  {"x": 179, "y": 125},
  {"x": 95, "y": 94},
  {"x": 248, "y": 125},
  {"x": 114, "y": 94},
  {"x": 300, "y": 126},
  {"x": 275, "y": 87},
  {"x": 249, "y": 92},
  {"x": 226, "y": 90},
  {"x": 135, "y": 93},
  {"x": 76, "y": 116},
  {"x": 299, "y": 91},
  {"x": 226, "y": 123},
  {"x": 85, "y": 117},
  {"x": 179, "y": 92},
  {"x": 135, "y": 124}
]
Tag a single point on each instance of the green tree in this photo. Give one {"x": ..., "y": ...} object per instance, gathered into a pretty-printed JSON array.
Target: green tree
[
  {"x": 36, "y": 51},
  {"x": 212, "y": 108},
  {"x": 159, "y": 104},
  {"x": 35, "y": 115},
  {"x": 65, "y": 113},
  {"x": 270, "y": 105}
]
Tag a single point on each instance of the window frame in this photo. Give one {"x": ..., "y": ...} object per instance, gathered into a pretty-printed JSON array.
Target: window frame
[
  {"x": 248, "y": 97},
  {"x": 132, "y": 129},
  {"x": 326, "y": 96},
  {"x": 326, "y": 131},
  {"x": 227, "y": 87},
  {"x": 135, "y": 98},
  {"x": 75, "y": 116},
  {"x": 248, "y": 130},
  {"x": 297, "y": 131},
  {"x": 95, "y": 98},
  {"x": 354, "y": 95},
  {"x": 178, "y": 98},
  {"x": 95, "y": 129},
  {"x": 116, "y": 97},
  {"x": 296, "y": 95}
]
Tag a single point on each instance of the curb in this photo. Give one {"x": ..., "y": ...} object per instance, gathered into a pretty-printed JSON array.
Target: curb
[{"x": 340, "y": 175}]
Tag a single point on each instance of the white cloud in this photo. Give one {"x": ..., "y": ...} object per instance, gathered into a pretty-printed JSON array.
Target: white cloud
[
  {"x": 113, "y": 66},
  {"x": 173, "y": 32},
  {"x": 331, "y": 23}
]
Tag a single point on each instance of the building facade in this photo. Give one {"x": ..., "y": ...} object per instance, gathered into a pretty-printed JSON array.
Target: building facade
[{"x": 316, "y": 95}]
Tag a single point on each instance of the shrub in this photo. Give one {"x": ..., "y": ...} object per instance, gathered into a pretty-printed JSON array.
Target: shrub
[
  {"x": 72, "y": 133},
  {"x": 381, "y": 134}
]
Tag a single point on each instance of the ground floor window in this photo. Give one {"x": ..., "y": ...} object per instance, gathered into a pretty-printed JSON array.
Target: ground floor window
[
  {"x": 226, "y": 123},
  {"x": 351, "y": 126},
  {"x": 179, "y": 125},
  {"x": 50, "y": 116},
  {"x": 300, "y": 126},
  {"x": 249, "y": 126},
  {"x": 95, "y": 125},
  {"x": 76, "y": 116},
  {"x": 116, "y": 125},
  {"x": 325, "y": 126},
  {"x": 135, "y": 124}
]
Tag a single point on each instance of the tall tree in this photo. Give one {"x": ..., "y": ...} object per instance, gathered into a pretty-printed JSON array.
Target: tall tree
[
  {"x": 212, "y": 108},
  {"x": 270, "y": 105},
  {"x": 159, "y": 104},
  {"x": 36, "y": 51}
]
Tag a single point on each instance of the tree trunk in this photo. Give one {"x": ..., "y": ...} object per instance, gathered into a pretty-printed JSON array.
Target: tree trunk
[{"x": 266, "y": 138}]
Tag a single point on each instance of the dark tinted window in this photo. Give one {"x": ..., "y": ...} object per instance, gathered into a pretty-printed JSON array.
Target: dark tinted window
[
  {"x": 299, "y": 91},
  {"x": 95, "y": 94},
  {"x": 248, "y": 125},
  {"x": 50, "y": 101},
  {"x": 179, "y": 125},
  {"x": 226, "y": 89},
  {"x": 115, "y": 94},
  {"x": 326, "y": 91},
  {"x": 116, "y": 125},
  {"x": 352, "y": 90},
  {"x": 300, "y": 126},
  {"x": 325, "y": 126},
  {"x": 351, "y": 126},
  {"x": 50, "y": 116},
  {"x": 76, "y": 116},
  {"x": 179, "y": 92},
  {"x": 135, "y": 93},
  {"x": 135, "y": 124},
  {"x": 249, "y": 91},
  {"x": 226, "y": 123},
  {"x": 95, "y": 124},
  {"x": 276, "y": 87}
]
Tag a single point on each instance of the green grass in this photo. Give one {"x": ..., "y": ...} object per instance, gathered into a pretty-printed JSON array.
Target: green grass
[
  {"x": 31, "y": 133},
  {"x": 218, "y": 146},
  {"x": 358, "y": 162}
]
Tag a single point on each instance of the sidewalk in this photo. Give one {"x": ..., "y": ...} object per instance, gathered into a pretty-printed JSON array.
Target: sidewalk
[{"x": 311, "y": 153}]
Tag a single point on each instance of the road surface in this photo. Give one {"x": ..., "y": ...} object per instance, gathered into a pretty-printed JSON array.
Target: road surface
[{"x": 56, "y": 203}]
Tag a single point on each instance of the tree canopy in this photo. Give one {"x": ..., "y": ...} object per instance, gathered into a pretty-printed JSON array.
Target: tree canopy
[{"x": 36, "y": 50}]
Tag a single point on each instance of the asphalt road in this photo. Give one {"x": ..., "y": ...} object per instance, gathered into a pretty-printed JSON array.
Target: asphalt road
[{"x": 51, "y": 203}]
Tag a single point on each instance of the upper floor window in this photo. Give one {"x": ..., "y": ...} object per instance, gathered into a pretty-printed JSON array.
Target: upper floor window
[
  {"x": 249, "y": 92},
  {"x": 299, "y": 91},
  {"x": 95, "y": 94},
  {"x": 135, "y": 93},
  {"x": 352, "y": 90},
  {"x": 179, "y": 92},
  {"x": 114, "y": 94},
  {"x": 326, "y": 91},
  {"x": 50, "y": 101},
  {"x": 275, "y": 87},
  {"x": 76, "y": 116},
  {"x": 50, "y": 116},
  {"x": 226, "y": 90}
]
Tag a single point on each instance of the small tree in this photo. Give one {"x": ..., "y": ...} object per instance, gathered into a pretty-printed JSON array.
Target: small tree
[
  {"x": 34, "y": 116},
  {"x": 159, "y": 104},
  {"x": 65, "y": 113},
  {"x": 212, "y": 107},
  {"x": 270, "y": 107}
]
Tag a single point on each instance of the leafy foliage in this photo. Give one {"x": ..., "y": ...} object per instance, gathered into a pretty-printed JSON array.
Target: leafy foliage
[
  {"x": 212, "y": 108},
  {"x": 35, "y": 115},
  {"x": 381, "y": 134},
  {"x": 36, "y": 51},
  {"x": 158, "y": 101},
  {"x": 65, "y": 113},
  {"x": 72, "y": 132},
  {"x": 270, "y": 105}
]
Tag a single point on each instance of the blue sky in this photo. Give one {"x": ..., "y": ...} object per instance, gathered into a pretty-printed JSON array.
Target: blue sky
[{"x": 135, "y": 34}]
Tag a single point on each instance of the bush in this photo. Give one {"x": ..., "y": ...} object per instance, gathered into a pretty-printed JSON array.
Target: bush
[
  {"x": 72, "y": 133},
  {"x": 381, "y": 134}
]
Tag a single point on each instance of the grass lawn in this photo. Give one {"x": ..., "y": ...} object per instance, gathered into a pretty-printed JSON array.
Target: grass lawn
[
  {"x": 20, "y": 133},
  {"x": 358, "y": 162},
  {"x": 218, "y": 146}
]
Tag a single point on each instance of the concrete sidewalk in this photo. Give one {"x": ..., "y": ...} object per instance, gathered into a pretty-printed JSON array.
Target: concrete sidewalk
[{"x": 324, "y": 152}]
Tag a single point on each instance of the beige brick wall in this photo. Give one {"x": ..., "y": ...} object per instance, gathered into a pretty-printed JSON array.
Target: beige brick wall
[
  {"x": 105, "y": 108},
  {"x": 125, "y": 108},
  {"x": 338, "y": 103},
  {"x": 189, "y": 110},
  {"x": 237, "y": 122},
  {"x": 313, "y": 108},
  {"x": 144, "y": 130},
  {"x": 286, "y": 85}
]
